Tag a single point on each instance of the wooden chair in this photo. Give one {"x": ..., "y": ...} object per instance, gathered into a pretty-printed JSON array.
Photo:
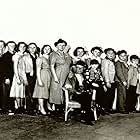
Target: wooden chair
[{"x": 70, "y": 105}]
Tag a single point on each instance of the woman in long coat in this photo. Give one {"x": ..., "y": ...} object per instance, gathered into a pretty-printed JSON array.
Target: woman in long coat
[{"x": 60, "y": 66}]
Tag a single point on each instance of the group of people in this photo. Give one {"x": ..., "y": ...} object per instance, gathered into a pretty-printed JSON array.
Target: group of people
[{"x": 32, "y": 79}]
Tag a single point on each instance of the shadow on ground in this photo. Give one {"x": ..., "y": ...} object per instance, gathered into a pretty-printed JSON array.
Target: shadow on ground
[{"x": 111, "y": 127}]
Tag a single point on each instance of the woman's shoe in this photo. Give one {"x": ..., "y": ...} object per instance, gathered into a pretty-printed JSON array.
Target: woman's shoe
[
  {"x": 43, "y": 112},
  {"x": 53, "y": 107},
  {"x": 50, "y": 109}
]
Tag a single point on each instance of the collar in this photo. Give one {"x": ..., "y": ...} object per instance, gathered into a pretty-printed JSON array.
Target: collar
[
  {"x": 109, "y": 59},
  {"x": 134, "y": 65},
  {"x": 125, "y": 63}
]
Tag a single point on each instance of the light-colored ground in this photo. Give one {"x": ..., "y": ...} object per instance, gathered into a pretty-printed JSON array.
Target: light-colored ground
[{"x": 111, "y": 127}]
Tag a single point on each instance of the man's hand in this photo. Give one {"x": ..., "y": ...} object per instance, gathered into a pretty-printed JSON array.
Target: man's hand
[{"x": 7, "y": 81}]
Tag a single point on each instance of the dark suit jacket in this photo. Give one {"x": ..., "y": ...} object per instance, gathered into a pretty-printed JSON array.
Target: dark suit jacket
[
  {"x": 121, "y": 72},
  {"x": 8, "y": 66},
  {"x": 1, "y": 70},
  {"x": 75, "y": 84}
]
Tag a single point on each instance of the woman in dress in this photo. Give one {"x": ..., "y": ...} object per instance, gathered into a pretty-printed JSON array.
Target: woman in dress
[
  {"x": 18, "y": 89},
  {"x": 80, "y": 54},
  {"x": 60, "y": 66},
  {"x": 96, "y": 53},
  {"x": 42, "y": 86}
]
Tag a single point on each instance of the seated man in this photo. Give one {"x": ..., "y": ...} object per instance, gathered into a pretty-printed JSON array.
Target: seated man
[{"x": 78, "y": 93}]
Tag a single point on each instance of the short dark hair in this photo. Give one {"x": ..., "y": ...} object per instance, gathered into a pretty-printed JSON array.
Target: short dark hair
[
  {"x": 17, "y": 47},
  {"x": 75, "y": 51},
  {"x": 121, "y": 51},
  {"x": 94, "y": 61},
  {"x": 133, "y": 57},
  {"x": 60, "y": 41},
  {"x": 32, "y": 43},
  {"x": 10, "y": 42},
  {"x": 109, "y": 49},
  {"x": 97, "y": 48},
  {"x": 82, "y": 63},
  {"x": 3, "y": 43},
  {"x": 42, "y": 50}
]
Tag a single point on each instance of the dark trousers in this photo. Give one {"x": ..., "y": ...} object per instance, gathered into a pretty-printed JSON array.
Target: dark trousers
[
  {"x": 7, "y": 103},
  {"x": 29, "y": 89},
  {"x": 85, "y": 99},
  {"x": 131, "y": 98},
  {"x": 1, "y": 94},
  {"x": 100, "y": 97},
  {"x": 121, "y": 97},
  {"x": 109, "y": 97}
]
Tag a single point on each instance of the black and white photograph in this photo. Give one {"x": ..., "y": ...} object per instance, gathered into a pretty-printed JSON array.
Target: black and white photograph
[{"x": 70, "y": 70}]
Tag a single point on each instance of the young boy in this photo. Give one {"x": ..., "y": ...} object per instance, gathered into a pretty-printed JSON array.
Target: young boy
[
  {"x": 121, "y": 67},
  {"x": 132, "y": 83},
  {"x": 108, "y": 72}
]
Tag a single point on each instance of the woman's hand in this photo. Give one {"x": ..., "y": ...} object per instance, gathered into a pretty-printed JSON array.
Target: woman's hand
[
  {"x": 40, "y": 84},
  {"x": 108, "y": 85},
  {"x": 124, "y": 83},
  {"x": 56, "y": 80},
  {"x": 18, "y": 82}
]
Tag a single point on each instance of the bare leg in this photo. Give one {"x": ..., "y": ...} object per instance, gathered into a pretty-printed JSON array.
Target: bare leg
[{"x": 41, "y": 106}]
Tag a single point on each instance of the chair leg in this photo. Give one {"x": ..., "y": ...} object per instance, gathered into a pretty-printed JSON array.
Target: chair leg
[
  {"x": 66, "y": 112},
  {"x": 95, "y": 114},
  {"x": 66, "y": 116}
]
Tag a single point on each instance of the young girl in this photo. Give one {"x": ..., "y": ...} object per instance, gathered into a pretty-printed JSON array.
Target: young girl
[
  {"x": 42, "y": 86},
  {"x": 95, "y": 84},
  {"x": 18, "y": 88}
]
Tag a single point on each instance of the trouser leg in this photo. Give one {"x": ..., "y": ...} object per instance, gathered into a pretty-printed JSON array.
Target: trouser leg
[
  {"x": 29, "y": 89},
  {"x": 121, "y": 97}
]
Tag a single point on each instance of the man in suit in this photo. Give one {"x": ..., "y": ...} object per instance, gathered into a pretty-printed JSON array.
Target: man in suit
[
  {"x": 8, "y": 103},
  {"x": 78, "y": 93},
  {"x": 2, "y": 48}
]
